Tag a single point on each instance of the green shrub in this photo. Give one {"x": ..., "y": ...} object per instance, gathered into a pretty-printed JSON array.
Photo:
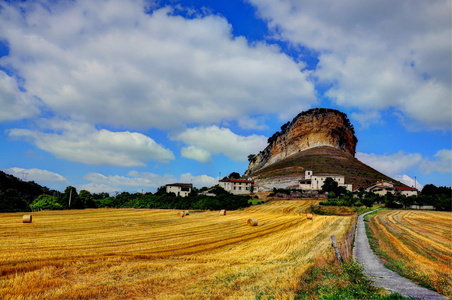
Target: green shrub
[{"x": 46, "y": 202}]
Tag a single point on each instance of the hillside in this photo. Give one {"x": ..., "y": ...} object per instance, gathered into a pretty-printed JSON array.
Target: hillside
[
  {"x": 27, "y": 190},
  {"x": 323, "y": 159}
]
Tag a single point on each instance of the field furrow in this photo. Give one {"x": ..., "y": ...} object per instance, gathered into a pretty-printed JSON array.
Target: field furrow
[
  {"x": 153, "y": 254},
  {"x": 417, "y": 244}
]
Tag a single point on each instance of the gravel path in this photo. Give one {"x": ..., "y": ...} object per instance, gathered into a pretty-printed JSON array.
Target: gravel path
[{"x": 380, "y": 275}]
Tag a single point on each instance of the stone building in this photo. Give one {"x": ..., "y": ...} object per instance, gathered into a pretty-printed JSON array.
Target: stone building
[
  {"x": 237, "y": 186},
  {"x": 315, "y": 182},
  {"x": 180, "y": 189}
]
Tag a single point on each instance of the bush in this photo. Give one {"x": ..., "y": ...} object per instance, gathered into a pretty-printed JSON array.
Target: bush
[{"x": 46, "y": 202}]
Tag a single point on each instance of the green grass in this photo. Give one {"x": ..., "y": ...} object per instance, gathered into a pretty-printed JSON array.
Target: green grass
[{"x": 328, "y": 281}]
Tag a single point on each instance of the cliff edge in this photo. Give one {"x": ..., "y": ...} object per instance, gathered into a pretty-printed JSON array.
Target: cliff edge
[{"x": 313, "y": 128}]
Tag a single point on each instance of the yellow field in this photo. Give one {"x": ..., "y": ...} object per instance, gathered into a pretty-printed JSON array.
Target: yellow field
[
  {"x": 141, "y": 254},
  {"x": 418, "y": 244}
]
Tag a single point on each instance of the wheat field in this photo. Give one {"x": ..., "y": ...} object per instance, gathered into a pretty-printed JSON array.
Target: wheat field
[
  {"x": 153, "y": 254},
  {"x": 417, "y": 244}
]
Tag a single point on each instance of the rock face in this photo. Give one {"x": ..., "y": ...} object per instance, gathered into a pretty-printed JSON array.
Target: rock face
[{"x": 312, "y": 128}]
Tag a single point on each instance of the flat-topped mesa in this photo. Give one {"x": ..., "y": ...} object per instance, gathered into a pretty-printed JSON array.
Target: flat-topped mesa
[{"x": 313, "y": 128}]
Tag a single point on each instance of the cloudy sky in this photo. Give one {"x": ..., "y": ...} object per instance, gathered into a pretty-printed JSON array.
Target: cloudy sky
[{"x": 115, "y": 95}]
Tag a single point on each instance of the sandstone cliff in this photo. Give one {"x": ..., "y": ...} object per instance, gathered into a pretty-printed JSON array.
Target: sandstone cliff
[{"x": 312, "y": 128}]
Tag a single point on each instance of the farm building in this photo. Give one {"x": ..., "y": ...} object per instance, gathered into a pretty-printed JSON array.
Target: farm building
[
  {"x": 383, "y": 187},
  {"x": 180, "y": 189},
  {"x": 315, "y": 182},
  {"x": 237, "y": 186}
]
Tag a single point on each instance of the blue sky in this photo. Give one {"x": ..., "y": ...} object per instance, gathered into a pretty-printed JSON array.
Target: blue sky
[{"x": 131, "y": 95}]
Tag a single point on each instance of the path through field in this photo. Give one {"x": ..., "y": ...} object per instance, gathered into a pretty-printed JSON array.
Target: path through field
[
  {"x": 153, "y": 254},
  {"x": 380, "y": 275}
]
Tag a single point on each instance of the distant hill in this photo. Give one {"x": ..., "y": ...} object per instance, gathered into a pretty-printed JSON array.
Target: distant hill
[
  {"x": 11, "y": 186},
  {"x": 323, "y": 159}
]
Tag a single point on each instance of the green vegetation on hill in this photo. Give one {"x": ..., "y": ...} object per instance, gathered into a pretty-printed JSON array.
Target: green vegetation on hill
[
  {"x": 16, "y": 194},
  {"x": 325, "y": 160}
]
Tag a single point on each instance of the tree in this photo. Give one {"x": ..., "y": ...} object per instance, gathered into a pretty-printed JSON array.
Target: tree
[
  {"x": 285, "y": 126},
  {"x": 252, "y": 158},
  {"x": 10, "y": 200},
  {"x": 70, "y": 198},
  {"x": 234, "y": 175},
  {"x": 46, "y": 202},
  {"x": 330, "y": 185},
  {"x": 86, "y": 199},
  {"x": 368, "y": 202}
]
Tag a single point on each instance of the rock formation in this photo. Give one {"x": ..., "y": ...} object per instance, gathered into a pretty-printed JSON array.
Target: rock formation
[{"x": 312, "y": 128}]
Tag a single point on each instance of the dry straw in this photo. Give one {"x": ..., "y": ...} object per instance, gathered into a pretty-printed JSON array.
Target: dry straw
[
  {"x": 252, "y": 222},
  {"x": 180, "y": 214},
  {"x": 26, "y": 219},
  {"x": 309, "y": 216},
  {"x": 223, "y": 212},
  {"x": 186, "y": 212}
]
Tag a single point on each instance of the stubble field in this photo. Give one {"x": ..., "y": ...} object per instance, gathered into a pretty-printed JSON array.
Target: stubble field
[
  {"x": 417, "y": 244},
  {"x": 152, "y": 254}
]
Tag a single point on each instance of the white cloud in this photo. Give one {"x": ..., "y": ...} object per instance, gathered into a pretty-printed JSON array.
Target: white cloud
[
  {"x": 365, "y": 119},
  {"x": 15, "y": 105},
  {"x": 392, "y": 164},
  {"x": 83, "y": 143},
  {"x": 252, "y": 123},
  {"x": 442, "y": 162},
  {"x": 197, "y": 154},
  {"x": 409, "y": 181},
  {"x": 396, "y": 165},
  {"x": 216, "y": 140},
  {"x": 109, "y": 62},
  {"x": 140, "y": 180},
  {"x": 198, "y": 181},
  {"x": 37, "y": 175},
  {"x": 376, "y": 54}
]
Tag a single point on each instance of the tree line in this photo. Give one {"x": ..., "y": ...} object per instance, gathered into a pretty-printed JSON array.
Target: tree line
[
  {"x": 11, "y": 200},
  {"x": 438, "y": 197}
]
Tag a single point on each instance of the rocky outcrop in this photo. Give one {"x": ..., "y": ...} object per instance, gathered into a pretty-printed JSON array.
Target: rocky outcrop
[{"x": 312, "y": 128}]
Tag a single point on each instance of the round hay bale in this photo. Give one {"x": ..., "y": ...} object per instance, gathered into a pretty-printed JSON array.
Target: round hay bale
[
  {"x": 309, "y": 216},
  {"x": 252, "y": 222},
  {"x": 26, "y": 219},
  {"x": 223, "y": 212},
  {"x": 186, "y": 212},
  {"x": 181, "y": 214}
]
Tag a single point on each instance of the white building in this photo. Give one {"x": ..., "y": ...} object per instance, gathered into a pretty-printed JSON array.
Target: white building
[
  {"x": 315, "y": 182},
  {"x": 237, "y": 186},
  {"x": 382, "y": 187},
  {"x": 180, "y": 189}
]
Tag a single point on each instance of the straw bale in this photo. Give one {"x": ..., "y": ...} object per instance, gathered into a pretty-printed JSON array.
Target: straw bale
[
  {"x": 309, "y": 216},
  {"x": 186, "y": 212},
  {"x": 252, "y": 222},
  {"x": 223, "y": 212},
  {"x": 181, "y": 214},
  {"x": 26, "y": 219}
]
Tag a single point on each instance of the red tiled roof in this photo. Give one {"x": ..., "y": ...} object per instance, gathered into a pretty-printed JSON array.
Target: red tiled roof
[{"x": 405, "y": 188}]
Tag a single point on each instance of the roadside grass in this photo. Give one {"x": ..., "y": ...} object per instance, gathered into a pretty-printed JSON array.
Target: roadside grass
[
  {"x": 342, "y": 210},
  {"x": 420, "y": 251},
  {"x": 327, "y": 280}
]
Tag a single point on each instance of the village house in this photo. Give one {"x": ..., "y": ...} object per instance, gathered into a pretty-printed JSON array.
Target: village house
[
  {"x": 315, "y": 182},
  {"x": 180, "y": 189},
  {"x": 237, "y": 186},
  {"x": 383, "y": 187}
]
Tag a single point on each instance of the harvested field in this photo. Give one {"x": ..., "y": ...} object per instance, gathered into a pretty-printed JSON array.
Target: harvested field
[
  {"x": 417, "y": 244},
  {"x": 153, "y": 254}
]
